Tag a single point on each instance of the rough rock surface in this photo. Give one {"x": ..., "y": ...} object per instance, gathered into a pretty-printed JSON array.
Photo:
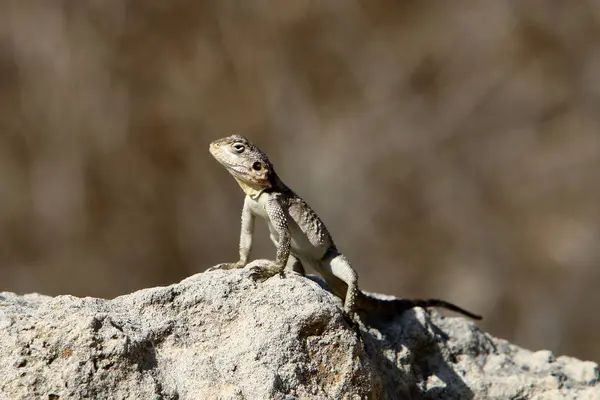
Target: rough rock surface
[{"x": 220, "y": 335}]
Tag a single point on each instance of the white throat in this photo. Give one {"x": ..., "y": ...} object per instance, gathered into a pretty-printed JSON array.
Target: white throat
[{"x": 252, "y": 191}]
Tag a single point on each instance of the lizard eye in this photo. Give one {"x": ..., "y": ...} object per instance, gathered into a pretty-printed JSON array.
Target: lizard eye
[
  {"x": 257, "y": 166},
  {"x": 238, "y": 147}
]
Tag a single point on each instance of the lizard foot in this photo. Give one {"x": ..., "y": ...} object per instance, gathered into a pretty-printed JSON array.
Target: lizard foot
[
  {"x": 262, "y": 271},
  {"x": 348, "y": 317},
  {"x": 225, "y": 266}
]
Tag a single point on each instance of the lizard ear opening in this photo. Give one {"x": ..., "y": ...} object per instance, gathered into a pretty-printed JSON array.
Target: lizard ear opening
[{"x": 257, "y": 166}]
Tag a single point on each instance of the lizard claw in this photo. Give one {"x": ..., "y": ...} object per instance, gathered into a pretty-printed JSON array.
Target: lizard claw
[
  {"x": 225, "y": 266},
  {"x": 263, "y": 272},
  {"x": 216, "y": 267},
  {"x": 348, "y": 317}
]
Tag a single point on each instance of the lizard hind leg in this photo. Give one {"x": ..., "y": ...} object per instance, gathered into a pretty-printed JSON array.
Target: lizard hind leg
[{"x": 336, "y": 264}]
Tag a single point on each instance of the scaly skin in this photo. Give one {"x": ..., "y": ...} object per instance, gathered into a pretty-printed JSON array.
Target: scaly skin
[{"x": 298, "y": 233}]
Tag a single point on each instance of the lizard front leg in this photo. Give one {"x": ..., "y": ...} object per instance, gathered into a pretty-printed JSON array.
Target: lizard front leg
[
  {"x": 294, "y": 264},
  {"x": 246, "y": 235},
  {"x": 278, "y": 219}
]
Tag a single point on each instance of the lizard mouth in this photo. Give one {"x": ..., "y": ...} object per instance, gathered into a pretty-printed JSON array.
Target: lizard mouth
[
  {"x": 215, "y": 151},
  {"x": 212, "y": 148}
]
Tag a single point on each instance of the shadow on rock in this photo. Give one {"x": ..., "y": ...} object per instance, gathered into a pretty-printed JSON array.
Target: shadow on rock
[{"x": 410, "y": 352}]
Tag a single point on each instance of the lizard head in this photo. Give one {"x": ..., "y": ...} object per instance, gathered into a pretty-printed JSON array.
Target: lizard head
[{"x": 249, "y": 166}]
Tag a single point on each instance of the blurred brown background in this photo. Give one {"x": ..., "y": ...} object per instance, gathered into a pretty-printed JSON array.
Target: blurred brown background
[{"x": 452, "y": 147}]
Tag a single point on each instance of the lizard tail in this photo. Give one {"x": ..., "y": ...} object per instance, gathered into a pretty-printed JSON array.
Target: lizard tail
[{"x": 397, "y": 306}]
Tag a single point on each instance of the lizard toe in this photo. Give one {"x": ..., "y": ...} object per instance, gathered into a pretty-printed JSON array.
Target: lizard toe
[
  {"x": 216, "y": 267},
  {"x": 348, "y": 318},
  {"x": 261, "y": 273},
  {"x": 225, "y": 266}
]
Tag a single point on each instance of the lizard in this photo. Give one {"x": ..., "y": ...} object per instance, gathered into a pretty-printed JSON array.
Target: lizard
[{"x": 299, "y": 235}]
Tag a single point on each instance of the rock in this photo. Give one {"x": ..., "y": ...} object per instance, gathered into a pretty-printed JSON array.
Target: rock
[{"x": 220, "y": 335}]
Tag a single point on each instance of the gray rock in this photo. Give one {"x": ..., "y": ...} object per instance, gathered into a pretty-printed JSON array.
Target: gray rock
[{"x": 220, "y": 335}]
